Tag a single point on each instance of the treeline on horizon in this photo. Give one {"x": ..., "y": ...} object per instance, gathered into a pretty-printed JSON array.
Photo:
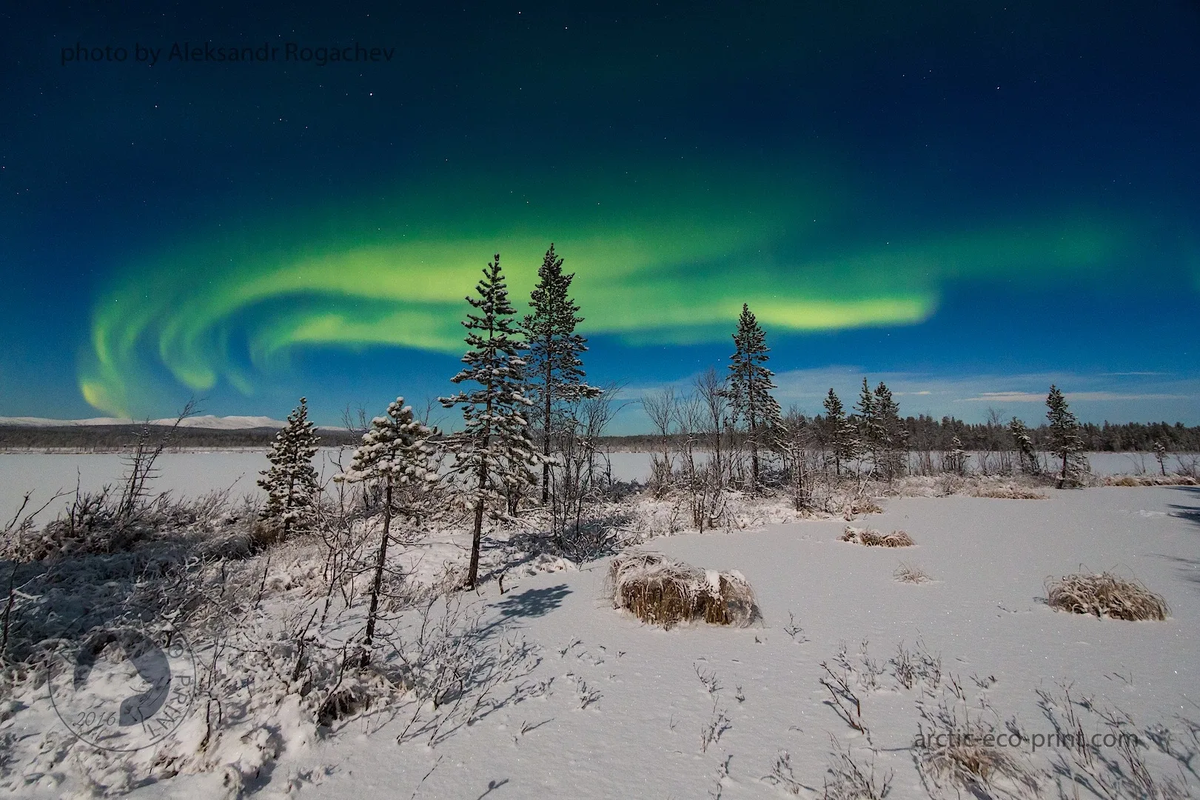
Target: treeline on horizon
[
  {"x": 924, "y": 433},
  {"x": 928, "y": 433}
]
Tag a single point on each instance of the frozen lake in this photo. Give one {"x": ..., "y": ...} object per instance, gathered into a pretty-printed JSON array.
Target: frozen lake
[{"x": 197, "y": 472}]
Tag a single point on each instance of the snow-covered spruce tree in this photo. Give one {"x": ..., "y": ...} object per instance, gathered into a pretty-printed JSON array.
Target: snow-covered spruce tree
[
  {"x": 291, "y": 480},
  {"x": 842, "y": 438},
  {"x": 955, "y": 459},
  {"x": 553, "y": 369},
  {"x": 750, "y": 386},
  {"x": 396, "y": 454},
  {"x": 867, "y": 422},
  {"x": 1065, "y": 442},
  {"x": 1026, "y": 453},
  {"x": 892, "y": 438},
  {"x": 494, "y": 448}
]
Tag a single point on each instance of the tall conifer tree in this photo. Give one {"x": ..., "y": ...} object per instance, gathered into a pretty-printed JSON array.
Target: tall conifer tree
[
  {"x": 1065, "y": 441},
  {"x": 892, "y": 438},
  {"x": 554, "y": 370},
  {"x": 494, "y": 448},
  {"x": 750, "y": 385}
]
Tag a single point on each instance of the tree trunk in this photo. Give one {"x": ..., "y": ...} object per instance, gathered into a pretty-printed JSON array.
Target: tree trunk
[
  {"x": 377, "y": 584},
  {"x": 546, "y": 445},
  {"x": 753, "y": 456},
  {"x": 546, "y": 391},
  {"x": 473, "y": 571}
]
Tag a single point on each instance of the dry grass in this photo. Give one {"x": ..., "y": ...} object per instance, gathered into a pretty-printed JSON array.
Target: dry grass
[
  {"x": 910, "y": 573},
  {"x": 955, "y": 754},
  {"x": 860, "y": 506},
  {"x": 1105, "y": 595},
  {"x": 873, "y": 538},
  {"x": 1007, "y": 491},
  {"x": 663, "y": 592},
  {"x": 1150, "y": 480}
]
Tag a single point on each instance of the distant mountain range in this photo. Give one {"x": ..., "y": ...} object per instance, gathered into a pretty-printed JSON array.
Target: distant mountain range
[{"x": 204, "y": 421}]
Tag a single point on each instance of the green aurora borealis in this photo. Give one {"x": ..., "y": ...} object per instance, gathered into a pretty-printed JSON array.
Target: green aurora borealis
[{"x": 672, "y": 274}]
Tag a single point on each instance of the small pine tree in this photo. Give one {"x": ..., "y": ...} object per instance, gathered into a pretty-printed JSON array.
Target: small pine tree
[
  {"x": 291, "y": 480},
  {"x": 956, "y": 458},
  {"x": 843, "y": 438},
  {"x": 494, "y": 450},
  {"x": 1065, "y": 442},
  {"x": 1025, "y": 450},
  {"x": 1160, "y": 455},
  {"x": 397, "y": 454},
  {"x": 554, "y": 370},
  {"x": 750, "y": 386}
]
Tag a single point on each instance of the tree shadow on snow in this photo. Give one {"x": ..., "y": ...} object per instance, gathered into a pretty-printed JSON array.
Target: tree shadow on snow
[
  {"x": 1189, "y": 568},
  {"x": 531, "y": 602},
  {"x": 1189, "y": 512}
]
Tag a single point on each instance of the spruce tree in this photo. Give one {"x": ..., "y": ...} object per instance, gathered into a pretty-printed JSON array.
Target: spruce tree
[
  {"x": 891, "y": 437},
  {"x": 395, "y": 453},
  {"x": 554, "y": 370},
  {"x": 1025, "y": 450},
  {"x": 291, "y": 480},
  {"x": 750, "y": 386},
  {"x": 1065, "y": 441},
  {"x": 868, "y": 421},
  {"x": 843, "y": 439},
  {"x": 494, "y": 449}
]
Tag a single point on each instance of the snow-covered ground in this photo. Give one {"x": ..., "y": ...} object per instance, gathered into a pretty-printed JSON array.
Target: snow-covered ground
[
  {"x": 609, "y": 707},
  {"x": 982, "y": 615}
]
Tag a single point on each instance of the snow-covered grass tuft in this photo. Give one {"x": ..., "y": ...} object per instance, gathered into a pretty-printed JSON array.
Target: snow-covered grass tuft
[
  {"x": 1150, "y": 480},
  {"x": 1105, "y": 595},
  {"x": 911, "y": 573},
  {"x": 1007, "y": 491},
  {"x": 664, "y": 592},
  {"x": 873, "y": 538}
]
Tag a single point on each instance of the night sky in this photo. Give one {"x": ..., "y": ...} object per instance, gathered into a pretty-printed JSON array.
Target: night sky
[{"x": 969, "y": 200}]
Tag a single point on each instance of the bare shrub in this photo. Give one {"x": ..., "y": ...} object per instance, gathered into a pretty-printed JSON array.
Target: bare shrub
[
  {"x": 955, "y": 751},
  {"x": 1118, "y": 769},
  {"x": 844, "y": 702},
  {"x": 1105, "y": 595},
  {"x": 873, "y": 538},
  {"x": 664, "y": 592},
  {"x": 912, "y": 666},
  {"x": 782, "y": 775},
  {"x": 911, "y": 573},
  {"x": 849, "y": 779}
]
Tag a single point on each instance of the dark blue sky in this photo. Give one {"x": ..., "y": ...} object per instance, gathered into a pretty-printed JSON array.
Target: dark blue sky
[{"x": 971, "y": 199}]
